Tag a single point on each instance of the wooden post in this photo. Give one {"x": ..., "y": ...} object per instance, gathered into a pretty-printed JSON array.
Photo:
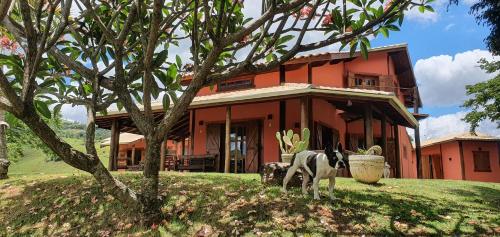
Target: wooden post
[
  {"x": 162, "y": 155},
  {"x": 418, "y": 150},
  {"x": 462, "y": 162},
  {"x": 133, "y": 155},
  {"x": 236, "y": 154},
  {"x": 304, "y": 121},
  {"x": 227, "y": 160},
  {"x": 383, "y": 126},
  {"x": 193, "y": 124},
  {"x": 282, "y": 121},
  {"x": 183, "y": 144},
  {"x": 399, "y": 174},
  {"x": 368, "y": 126},
  {"x": 114, "y": 144}
]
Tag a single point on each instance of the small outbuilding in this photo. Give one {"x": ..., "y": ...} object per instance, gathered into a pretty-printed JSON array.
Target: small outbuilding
[{"x": 462, "y": 157}]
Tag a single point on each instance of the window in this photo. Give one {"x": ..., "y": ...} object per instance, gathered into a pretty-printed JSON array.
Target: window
[
  {"x": 236, "y": 84},
  {"x": 481, "y": 161},
  {"x": 365, "y": 81}
]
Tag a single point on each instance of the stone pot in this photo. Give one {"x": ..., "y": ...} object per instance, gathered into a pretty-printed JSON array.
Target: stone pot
[
  {"x": 366, "y": 168},
  {"x": 286, "y": 158}
]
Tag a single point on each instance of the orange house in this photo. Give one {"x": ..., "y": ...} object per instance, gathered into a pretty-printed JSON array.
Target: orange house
[
  {"x": 340, "y": 98},
  {"x": 461, "y": 157}
]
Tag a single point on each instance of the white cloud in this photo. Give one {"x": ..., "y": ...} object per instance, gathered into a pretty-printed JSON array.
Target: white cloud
[
  {"x": 444, "y": 125},
  {"x": 76, "y": 113},
  {"x": 470, "y": 2},
  {"x": 426, "y": 17},
  {"x": 449, "y": 26},
  {"x": 442, "y": 78}
]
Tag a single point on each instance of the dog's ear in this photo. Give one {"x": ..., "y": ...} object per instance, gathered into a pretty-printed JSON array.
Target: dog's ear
[{"x": 328, "y": 149}]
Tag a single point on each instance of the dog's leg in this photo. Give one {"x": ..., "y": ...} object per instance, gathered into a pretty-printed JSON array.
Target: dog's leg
[
  {"x": 308, "y": 169},
  {"x": 289, "y": 174},
  {"x": 305, "y": 181},
  {"x": 316, "y": 188},
  {"x": 331, "y": 186}
]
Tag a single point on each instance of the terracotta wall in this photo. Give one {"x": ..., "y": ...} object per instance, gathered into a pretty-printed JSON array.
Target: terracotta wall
[
  {"x": 329, "y": 75},
  {"x": 258, "y": 111},
  {"x": 407, "y": 160},
  {"x": 492, "y": 148},
  {"x": 332, "y": 75},
  {"x": 452, "y": 164}
]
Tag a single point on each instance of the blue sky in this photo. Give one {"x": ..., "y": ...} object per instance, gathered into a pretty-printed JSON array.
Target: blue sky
[{"x": 444, "y": 48}]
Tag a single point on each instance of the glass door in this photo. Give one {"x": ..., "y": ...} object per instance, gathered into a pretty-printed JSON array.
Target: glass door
[{"x": 238, "y": 148}]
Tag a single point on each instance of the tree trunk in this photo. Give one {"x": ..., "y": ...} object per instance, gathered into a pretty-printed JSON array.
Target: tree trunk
[
  {"x": 150, "y": 201},
  {"x": 4, "y": 162}
]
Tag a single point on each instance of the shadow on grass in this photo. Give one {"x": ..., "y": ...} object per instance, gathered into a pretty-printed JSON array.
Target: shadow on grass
[{"x": 229, "y": 205}]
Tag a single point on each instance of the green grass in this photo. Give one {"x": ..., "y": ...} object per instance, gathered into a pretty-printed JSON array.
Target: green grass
[
  {"x": 33, "y": 162},
  {"x": 239, "y": 205}
]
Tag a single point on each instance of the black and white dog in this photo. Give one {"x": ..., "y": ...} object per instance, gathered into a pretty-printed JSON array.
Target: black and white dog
[{"x": 319, "y": 166}]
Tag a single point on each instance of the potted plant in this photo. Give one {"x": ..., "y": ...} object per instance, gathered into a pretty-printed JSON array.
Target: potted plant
[
  {"x": 367, "y": 166},
  {"x": 291, "y": 143}
]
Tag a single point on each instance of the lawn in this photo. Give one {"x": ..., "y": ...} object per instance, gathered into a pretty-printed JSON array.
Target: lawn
[
  {"x": 33, "y": 162},
  {"x": 219, "y": 204}
]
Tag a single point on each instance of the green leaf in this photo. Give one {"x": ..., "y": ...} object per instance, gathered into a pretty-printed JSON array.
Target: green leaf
[
  {"x": 179, "y": 61},
  {"x": 43, "y": 109},
  {"x": 57, "y": 109},
  {"x": 384, "y": 32},
  {"x": 364, "y": 50},
  {"x": 284, "y": 39},
  {"x": 421, "y": 9},
  {"x": 166, "y": 102},
  {"x": 160, "y": 58},
  {"x": 354, "y": 45}
]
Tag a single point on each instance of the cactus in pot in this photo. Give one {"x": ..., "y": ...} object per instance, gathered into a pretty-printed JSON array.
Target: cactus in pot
[{"x": 291, "y": 143}]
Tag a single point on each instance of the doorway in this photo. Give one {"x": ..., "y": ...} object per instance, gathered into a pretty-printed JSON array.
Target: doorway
[{"x": 245, "y": 144}]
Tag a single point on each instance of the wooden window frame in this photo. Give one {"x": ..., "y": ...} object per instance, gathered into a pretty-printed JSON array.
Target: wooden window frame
[
  {"x": 226, "y": 85},
  {"x": 476, "y": 154}
]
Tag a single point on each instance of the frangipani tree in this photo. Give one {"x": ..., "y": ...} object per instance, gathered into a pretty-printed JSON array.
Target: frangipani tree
[{"x": 99, "y": 53}]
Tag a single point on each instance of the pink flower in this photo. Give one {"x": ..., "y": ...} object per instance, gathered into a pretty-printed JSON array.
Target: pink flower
[
  {"x": 244, "y": 39},
  {"x": 327, "y": 19},
  {"x": 305, "y": 11},
  {"x": 5, "y": 42},
  {"x": 154, "y": 226}
]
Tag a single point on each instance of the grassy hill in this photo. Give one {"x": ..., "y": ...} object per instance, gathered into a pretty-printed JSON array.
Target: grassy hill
[
  {"x": 34, "y": 163},
  {"x": 229, "y": 205}
]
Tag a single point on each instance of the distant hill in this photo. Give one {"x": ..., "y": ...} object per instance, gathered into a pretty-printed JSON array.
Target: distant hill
[{"x": 72, "y": 129}]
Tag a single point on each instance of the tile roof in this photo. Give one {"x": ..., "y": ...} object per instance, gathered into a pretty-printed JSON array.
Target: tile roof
[
  {"x": 125, "y": 138},
  {"x": 460, "y": 137}
]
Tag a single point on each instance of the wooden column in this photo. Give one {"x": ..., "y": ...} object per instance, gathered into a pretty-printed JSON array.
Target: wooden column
[
  {"x": 227, "y": 154},
  {"x": 193, "y": 127},
  {"x": 304, "y": 120},
  {"x": 418, "y": 149},
  {"x": 183, "y": 144},
  {"x": 114, "y": 144},
  {"x": 368, "y": 126},
  {"x": 133, "y": 156},
  {"x": 462, "y": 162},
  {"x": 162, "y": 155},
  {"x": 282, "y": 121},
  {"x": 399, "y": 174},
  {"x": 383, "y": 127}
]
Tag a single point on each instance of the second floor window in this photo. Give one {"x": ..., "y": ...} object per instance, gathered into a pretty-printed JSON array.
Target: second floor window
[
  {"x": 364, "y": 81},
  {"x": 242, "y": 83}
]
